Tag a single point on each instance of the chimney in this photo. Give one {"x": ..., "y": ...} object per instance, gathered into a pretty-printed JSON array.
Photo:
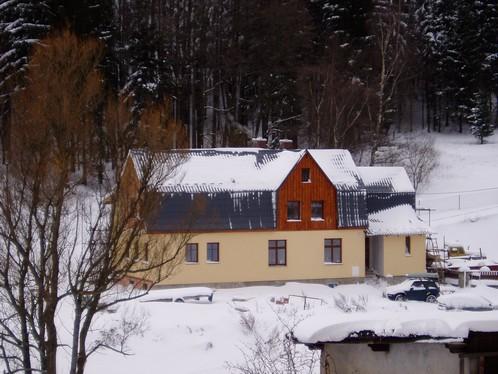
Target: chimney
[
  {"x": 259, "y": 143},
  {"x": 286, "y": 144}
]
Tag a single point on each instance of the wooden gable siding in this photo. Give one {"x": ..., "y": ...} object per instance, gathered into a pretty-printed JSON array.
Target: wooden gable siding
[{"x": 319, "y": 189}]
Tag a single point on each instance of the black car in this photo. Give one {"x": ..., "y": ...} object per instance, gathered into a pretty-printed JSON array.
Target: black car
[{"x": 414, "y": 289}]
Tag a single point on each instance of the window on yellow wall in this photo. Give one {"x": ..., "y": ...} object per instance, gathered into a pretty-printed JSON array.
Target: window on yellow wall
[
  {"x": 332, "y": 251},
  {"x": 213, "y": 252},
  {"x": 277, "y": 252},
  {"x": 408, "y": 246},
  {"x": 192, "y": 253}
]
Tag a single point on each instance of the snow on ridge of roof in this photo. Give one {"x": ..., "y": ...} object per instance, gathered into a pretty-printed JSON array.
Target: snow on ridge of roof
[
  {"x": 223, "y": 169},
  {"x": 334, "y": 327},
  {"x": 339, "y": 167},
  {"x": 386, "y": 179},
  {"x": 398, "y": 220}
]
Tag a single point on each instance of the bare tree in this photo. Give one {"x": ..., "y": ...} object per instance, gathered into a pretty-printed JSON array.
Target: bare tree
[
  {"x": 419, "y": 157},
  {"x": 389, "y": 57},
  {"x": 416, "y": 153},
  {"x": 62, "y": 243},
  {"x": 335, "y": 103},
  {"x": 274, "y": 351}
]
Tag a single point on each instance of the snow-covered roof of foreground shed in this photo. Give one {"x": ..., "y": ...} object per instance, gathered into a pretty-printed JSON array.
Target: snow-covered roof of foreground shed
[
  {"x": 339, "y": 167},
  {"x": 327, "y": 327},
  {"x": 386, "y": 179},
  {"x": 221, "y": 169},
  {"x": 399, "y": 220}
]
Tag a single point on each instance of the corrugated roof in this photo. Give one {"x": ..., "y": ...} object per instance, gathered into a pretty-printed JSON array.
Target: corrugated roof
[
  {"x": 399, "y": 220},
  {"x": 339, "y": 167},
  {"x": 221, "y": 169},
  {"x": 214, "y": 211},
  {"x": 380, "y": 179}
]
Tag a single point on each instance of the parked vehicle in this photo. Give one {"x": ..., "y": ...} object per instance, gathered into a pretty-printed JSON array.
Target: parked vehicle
[
  {"x": 414, "y": 289},
  {"x": 180, "y": 295}
]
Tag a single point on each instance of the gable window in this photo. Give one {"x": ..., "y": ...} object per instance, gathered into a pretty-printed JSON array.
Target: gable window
[
  {"x": 277, "y": 252},
  {"x": 408, "y": 246},
  {"x": 333, "y": 251},
  {"x": 293, "y": 211},
  {"x": 192, "y": 253},
  {"x": 213, "y": 252},
  {"x": 305, "y": 175},
  {"x": 317, "y": 210}
]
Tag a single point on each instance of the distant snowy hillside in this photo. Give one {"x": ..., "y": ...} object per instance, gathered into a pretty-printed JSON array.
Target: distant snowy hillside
[{"x": 463, "y": 191}]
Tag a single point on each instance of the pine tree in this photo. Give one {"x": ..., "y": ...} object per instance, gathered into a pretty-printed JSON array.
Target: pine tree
[{"x": 479, "y": 118}]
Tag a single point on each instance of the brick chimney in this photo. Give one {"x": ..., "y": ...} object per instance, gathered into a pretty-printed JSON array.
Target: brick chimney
[
  {"x": 259, "y": 143},
  {"x": 286, "y": 144}
]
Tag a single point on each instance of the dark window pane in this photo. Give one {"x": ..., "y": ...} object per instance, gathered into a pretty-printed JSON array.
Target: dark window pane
[
  {"x": 277, "y": 252},
  {"x": 336, "y": 255},
  {"x": 213, "y": 252},
  {"x": 305, "y": 175},
  {"x": 317, "y": 209},
  {"x": 281, "y": 256},
  {"x": 333, "y": 250},
  {"x": 272, "y": 257},
  {"x": 293, "y": 210},
  {"x": 191, "y": 253},
  {"x": 408, "y": 249},
  {"x": 327, "y": 255}
]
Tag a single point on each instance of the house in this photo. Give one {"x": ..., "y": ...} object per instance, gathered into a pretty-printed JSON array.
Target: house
[
  {"x": 259, "y": 215},
  {"x": 391, "y": 343}
]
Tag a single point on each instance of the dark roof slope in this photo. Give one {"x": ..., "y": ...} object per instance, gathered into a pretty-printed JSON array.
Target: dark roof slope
[{"x": 214, "y": 211}]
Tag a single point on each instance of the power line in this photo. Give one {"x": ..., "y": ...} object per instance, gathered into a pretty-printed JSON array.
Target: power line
[{"x": 458, "y": 192}]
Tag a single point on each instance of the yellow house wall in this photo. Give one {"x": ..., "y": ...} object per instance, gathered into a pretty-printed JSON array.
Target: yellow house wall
[
  {"x": 396, "y": 262},
  {"x": 244, "y": 257}
]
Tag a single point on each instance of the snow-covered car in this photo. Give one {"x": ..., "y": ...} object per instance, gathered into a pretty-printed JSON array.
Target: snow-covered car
[
  {"x": 464, "y": 301},
  {"x": 180, "y": 295},
  {"x": 414, "y": 289}
]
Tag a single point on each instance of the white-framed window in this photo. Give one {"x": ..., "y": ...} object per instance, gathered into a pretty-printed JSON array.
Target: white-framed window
[
  {"x": 293, "y": 211},
  {"x": 332, "y": 251},
  {"x": 192, "y": 253},
  {"x": 305, "y": 175},
  {"x": 213, "y": 252},
  {"x": 317, "y": 210}
]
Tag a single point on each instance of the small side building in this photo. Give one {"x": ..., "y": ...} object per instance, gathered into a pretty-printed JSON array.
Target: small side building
[{"x": 393, "y": 345}]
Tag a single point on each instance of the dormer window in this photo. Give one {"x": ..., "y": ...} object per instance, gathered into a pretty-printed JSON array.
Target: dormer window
[{"x": 305, "y": 175}]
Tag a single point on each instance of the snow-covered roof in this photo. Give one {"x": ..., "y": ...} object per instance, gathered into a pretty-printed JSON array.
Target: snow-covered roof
[
  {"x": 244, "y": 169},
  {"x": 334, "y": 327},
  {"x": 339, "y": 167},
  {"x": 223, "y": 169},
  {"x": 385, "y": 179},
  {"x": 399, "y": 220}
]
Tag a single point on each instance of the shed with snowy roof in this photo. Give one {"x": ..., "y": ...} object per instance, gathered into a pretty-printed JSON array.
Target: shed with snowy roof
[
  {"x": 261, "y": 215},
  {"x": 393, "y": 342}
]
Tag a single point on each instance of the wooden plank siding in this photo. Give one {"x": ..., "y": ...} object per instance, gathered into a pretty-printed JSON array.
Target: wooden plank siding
[{"x": 318, "y": 189}]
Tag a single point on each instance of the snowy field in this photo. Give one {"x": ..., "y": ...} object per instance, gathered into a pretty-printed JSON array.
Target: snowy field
[
  {"x": 202, "y": 337},
  {"x": 463, "y": 190},
  {"x": 199, "y": 337}
]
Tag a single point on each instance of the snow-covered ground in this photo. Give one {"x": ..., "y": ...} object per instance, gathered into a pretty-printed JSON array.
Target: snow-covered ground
[
  {"x": 463, "y": 190},
  {"x": 202, "y": 337}
]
